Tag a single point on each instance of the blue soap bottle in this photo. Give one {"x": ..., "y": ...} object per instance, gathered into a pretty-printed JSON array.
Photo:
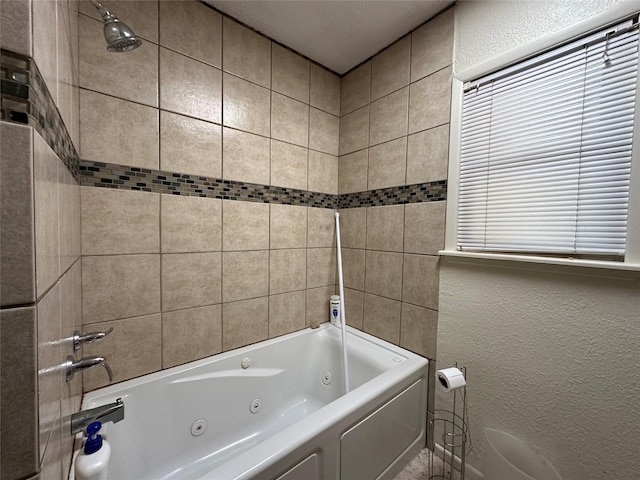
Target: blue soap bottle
[{"x": 93, "y": 460}]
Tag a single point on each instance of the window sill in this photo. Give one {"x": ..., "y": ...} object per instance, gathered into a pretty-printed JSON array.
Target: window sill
[{"x": 591, "y": 268}]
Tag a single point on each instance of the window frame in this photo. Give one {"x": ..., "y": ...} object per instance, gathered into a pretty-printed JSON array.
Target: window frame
[{"x": 630, "y": 266}]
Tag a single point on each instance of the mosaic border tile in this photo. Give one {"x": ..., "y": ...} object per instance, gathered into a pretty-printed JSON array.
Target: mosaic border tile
[
  {"x": 108, "y": 175},
  {"x": 25, "y": 99}
]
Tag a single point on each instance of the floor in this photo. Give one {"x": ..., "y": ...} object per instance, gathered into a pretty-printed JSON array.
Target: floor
[{"x": 418, "y": 468}]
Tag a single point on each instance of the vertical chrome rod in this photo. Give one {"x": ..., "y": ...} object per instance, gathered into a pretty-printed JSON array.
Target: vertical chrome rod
[{"x": 342, "y": 314}]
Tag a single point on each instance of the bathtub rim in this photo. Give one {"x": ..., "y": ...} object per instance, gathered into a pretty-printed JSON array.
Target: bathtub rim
[{"x": 88, "y": 398}]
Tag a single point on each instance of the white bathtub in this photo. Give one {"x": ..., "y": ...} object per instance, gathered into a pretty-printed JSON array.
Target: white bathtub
[{"x": 304, "y": 429}]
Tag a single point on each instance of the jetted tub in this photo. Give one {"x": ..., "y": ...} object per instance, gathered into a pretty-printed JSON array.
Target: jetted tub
[{"x": 284, "y": 416}]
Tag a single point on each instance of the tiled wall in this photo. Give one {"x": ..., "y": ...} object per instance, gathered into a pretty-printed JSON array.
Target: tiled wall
[
  {"x": 394, "y": 131},
  {"x": 181, "y": 277},
  {"x": 40, "y": 281}
]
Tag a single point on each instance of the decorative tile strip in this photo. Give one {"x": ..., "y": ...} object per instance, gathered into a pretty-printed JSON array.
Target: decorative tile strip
[
  {"x": 108, "y": 175},
  {"x": 25, "y": 99},
  {"x": 416, "y": 193}
]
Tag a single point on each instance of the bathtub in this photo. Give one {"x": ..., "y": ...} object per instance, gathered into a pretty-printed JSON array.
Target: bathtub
[{"x": 284, "y": 416}]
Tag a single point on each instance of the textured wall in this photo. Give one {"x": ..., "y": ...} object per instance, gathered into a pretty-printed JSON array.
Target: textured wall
[
  {"x": 551, "y": 357},
  {"x": 485, "y": 29}
]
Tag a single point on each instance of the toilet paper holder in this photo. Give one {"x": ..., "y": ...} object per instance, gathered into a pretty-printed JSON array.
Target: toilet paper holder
[{"x": 450, "y": 427}]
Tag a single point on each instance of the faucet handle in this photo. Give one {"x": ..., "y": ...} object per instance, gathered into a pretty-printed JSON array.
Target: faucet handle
[
  {"x": 79, "y": 339},
  {"x": 84, "y": 364}
]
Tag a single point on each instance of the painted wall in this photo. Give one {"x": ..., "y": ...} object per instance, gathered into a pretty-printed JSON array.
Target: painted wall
[{"x": 551, "y": 357}]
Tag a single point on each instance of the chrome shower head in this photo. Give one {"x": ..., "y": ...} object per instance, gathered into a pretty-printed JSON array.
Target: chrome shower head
[{"x": 119, "y": 37}]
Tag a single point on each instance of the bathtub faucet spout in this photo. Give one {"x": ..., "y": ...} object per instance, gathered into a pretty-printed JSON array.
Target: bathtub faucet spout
[{"x": 112, "y": 412}]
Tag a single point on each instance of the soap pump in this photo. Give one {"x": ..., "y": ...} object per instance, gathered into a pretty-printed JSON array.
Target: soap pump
[{"x": 92, "y": 461}]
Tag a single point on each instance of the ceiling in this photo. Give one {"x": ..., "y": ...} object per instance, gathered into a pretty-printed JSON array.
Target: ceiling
[{"x": 338, "y": 34}]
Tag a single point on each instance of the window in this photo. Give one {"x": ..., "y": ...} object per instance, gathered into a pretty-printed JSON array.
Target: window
[{"x": 546, "y": 151}]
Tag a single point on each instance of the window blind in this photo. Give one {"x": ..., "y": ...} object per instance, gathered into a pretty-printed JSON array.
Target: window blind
[{"x": 546, "y": 150}]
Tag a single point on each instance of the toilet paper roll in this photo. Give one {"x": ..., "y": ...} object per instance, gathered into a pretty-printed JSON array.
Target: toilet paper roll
[{"x": 450, "y": 379}]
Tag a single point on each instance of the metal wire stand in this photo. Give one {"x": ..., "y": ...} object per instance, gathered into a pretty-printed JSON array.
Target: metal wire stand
[{"x": 452, "y": 427}]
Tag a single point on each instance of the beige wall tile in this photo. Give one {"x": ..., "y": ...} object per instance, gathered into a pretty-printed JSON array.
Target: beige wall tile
[
  {"x": 385, "y": 227},
  {"x": 200, "y": 97},
  {"x": 420, "y": 281},
  {"x": 290, "y": 73},
  {"x": 46, "y": 211},
  {"x": 50, "y": 379},
  {"x": 430, "y": 101},
  {"x": 15, "y": 30},
  {"x": 118, "y": 221},
  {"x": 134, "y": 348},
  {"x": 352, "y": 172},
  {"x": 318, "y": 304},
  {"x": 289, "y": 120},
  {"x": 119, "y": 286},
  {"x": 324, "y": 90},
  {"x": 286, "y": 313},
  {"x": 322, "y": 227},
  {"x": 390, "y": 68},
  {"x": 288, "y": 226},
  {"x": 105, "y": 121},
  {"x": 43, "y": 15},
  {"x": 432, "y": 46},
  {"x": 287, "y": 270},
  {"x": 353, "y": 227},
  {"x": 245, "y": 225},
  {"x": 51, "y": 463},
  {"x": 383, "y": 274},
  {"x": 246, "y": 106},
  {"x": 419, "y": 329},
  {"x": 18, "y": 353},
  {"x": 353, "y": 268},
  {"x": 17, "y": 261},
  {"x": 245, "y": 275},
  {"x": 140, "y": 15},
  {"x": 428, "y": 155},
  {"x": 246, "y": 53},
  {"x": 354, "y": 131},
  {"x": 204, "y": 153},
  {"x": 189, "y": 335},
  {"x": 382, "y": 318},
  {"x": 389, "y": 117},
  {"x": 387, "y": 164},
  {"x": 133, "y": 76},
  {"x": 190, "y": 280},
  {"x": 69, "y": 218},
  {"x": 424, "y": 227},
  {"x": 245, "y": 322},
  {"x": 324, "y": 132},
  {"x": 288, "y": 165},
  {"x": 321, "y": 267},
  {"x": 71, "y": 311},
  {"x": 354, "y": 307},
  {"x": 202, "y": 39},
  {"x": 190, "y": 224},
  {"x": 245, "y": 157},
  {"x": 355, "y": 89},
  {"x": 323, "y": 172}
]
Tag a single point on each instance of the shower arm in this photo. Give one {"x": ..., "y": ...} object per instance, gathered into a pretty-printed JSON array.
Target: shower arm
[{"x": 106, "y": 14}]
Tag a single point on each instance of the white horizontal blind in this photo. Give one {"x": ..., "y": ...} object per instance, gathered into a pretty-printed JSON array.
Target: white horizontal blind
[{"x": 546, "y": 151}]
